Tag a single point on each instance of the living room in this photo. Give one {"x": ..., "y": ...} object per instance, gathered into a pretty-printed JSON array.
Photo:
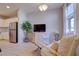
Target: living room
[{"x": 49, "y": 24}]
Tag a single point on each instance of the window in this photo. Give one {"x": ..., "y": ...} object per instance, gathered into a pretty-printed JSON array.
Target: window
[{"x": 70, "y": 20}]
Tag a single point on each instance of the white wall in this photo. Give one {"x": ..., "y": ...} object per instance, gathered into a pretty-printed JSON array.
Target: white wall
[
  {"x": 22, "y": 16},
  {"x": 53, "y": 20},
  {"x": 64, "y": 20}
]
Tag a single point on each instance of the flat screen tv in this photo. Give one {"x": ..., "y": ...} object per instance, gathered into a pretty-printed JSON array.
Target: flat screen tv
[{"x": 39, "y": 27}]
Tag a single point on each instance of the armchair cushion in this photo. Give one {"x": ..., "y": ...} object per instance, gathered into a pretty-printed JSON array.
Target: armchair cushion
[
  {"x": 64, "y": 45},
  {"x": 74, "y": 46}
]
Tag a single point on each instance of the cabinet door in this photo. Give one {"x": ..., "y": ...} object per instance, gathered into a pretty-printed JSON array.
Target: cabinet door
[{"x": 13, "y": 36}]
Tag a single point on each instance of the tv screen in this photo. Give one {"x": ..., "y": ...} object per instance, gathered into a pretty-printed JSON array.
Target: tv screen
[{"x": 39, "y": 28}]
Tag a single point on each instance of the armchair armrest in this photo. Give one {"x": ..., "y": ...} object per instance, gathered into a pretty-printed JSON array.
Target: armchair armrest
[
  {"x": 53, "y": 51},
  {"x": 50, "y": 50}
]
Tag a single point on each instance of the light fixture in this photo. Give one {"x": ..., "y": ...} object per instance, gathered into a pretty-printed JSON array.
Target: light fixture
[
  {"x": 7, "y": 6},
  {"x": 43, "y": 7}
]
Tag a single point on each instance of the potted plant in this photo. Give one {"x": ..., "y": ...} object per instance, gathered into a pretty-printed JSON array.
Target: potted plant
[{"x": 27, "y": 27}]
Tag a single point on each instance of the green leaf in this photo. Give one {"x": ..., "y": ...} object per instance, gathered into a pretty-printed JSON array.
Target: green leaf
[{"x": 27, "y": 26}]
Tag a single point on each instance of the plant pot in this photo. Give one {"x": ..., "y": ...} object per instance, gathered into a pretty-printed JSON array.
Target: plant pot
[{"x": 26, "y": 39}]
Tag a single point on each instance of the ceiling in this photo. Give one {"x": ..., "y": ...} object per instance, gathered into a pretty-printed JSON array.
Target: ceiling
[
  {"x": 5, "y": 12},
  {"x": 28, "y": 7}
]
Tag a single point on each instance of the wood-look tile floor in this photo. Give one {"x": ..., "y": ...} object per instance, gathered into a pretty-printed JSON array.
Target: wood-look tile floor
[{"x": 12, "y": 49}]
